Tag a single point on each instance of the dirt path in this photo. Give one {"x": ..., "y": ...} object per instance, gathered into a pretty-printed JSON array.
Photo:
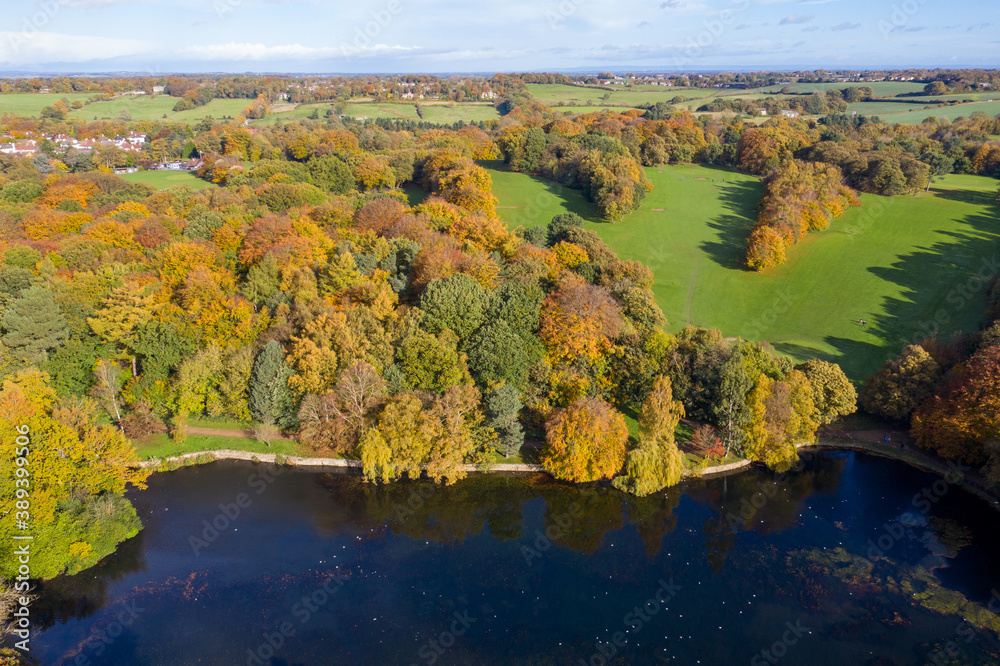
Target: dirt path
[{"x": 228, "y": 432}]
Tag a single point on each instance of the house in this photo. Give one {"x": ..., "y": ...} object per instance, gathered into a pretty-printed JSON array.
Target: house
[
  {"x": 158, "y": 89},
  {"x": 29, "y": 147},
  {"x": 788, "y": 113},
  {"x": 488, "y": 94}
]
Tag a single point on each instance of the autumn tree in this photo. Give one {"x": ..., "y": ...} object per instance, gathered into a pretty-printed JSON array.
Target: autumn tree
[
  {"x": 901, "y": 384},
  {"x": 585, "y": 441},
  {"x": 125, "y": 311},
  {"x": 79, "y": 476},
  {"x": 656, "y": 462},
  {"x": 335, "y": 420},
  {"x": 832, "y": 392},
  {"x": 412, "y": 434},
  {"x": 578, "y": 319},
  {"x": 109, "y": 387},
  {"x": 962, "y": 420},
  {"x": 432, "y": 363}
]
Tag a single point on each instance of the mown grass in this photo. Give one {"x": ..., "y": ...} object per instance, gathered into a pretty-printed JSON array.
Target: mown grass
[
  {"x": 160, "y": 446},
  {"x": 433, "y": 112},
  {"x": 917, "y": 116},
  {"x": 909, "y": 265},
  {"x": 155, "y": 108},
  {"x": 31, "y": 104},
  {"x": 162, "y": 180}
]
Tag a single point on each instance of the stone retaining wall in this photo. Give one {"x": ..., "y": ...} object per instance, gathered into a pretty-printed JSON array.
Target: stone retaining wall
[{"x": 229, "y": 454}]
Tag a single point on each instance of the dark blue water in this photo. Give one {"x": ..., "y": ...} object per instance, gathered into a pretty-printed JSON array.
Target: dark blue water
[{"x": 838, "y": 562}]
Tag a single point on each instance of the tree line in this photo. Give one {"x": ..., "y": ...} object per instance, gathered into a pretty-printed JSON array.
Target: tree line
[{"x": 948, "y": 392}]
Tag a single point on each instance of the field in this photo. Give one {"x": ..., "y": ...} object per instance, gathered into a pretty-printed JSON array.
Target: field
[
  {"x": 296, "y": 112},
  {"x": 161, "y": 180},
  {"x": 433, "y": 112},
  {"x": 154, "y": 108},
  {"x": 576, "y": 99},
  {"x": 886, "y": 108},
  {"x": 880, "y": 88},
  {"x": 31, "y": 104},
  {"x": 554, "y": 93},
  {"x": 950, "y": 112},
  {"x": 907, "y": 265}
]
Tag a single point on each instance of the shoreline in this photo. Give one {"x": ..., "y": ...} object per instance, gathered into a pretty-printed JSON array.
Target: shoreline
[{"x": 921, "y": 462}]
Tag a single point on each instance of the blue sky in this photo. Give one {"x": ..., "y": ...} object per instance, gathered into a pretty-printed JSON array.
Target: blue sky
[{"x": 159, "y": 36}]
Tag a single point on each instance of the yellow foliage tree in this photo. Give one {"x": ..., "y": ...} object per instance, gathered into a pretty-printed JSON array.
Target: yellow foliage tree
[{"x": 585, "y": 441}]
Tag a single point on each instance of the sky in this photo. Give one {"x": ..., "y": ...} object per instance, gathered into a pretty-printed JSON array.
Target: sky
[{"x": 441, "y": 36}]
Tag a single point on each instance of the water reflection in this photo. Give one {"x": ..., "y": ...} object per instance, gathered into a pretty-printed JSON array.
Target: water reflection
[{"x": 544, "y": 572}]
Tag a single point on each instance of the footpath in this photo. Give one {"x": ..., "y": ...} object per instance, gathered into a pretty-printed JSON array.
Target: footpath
[{"x": 887, "y": 442}]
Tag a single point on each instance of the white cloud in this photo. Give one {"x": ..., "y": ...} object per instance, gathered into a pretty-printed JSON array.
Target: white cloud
[
  {"x": 97, "y": 4},
  {"x": 247, "y": 51},
  {"x": 28, "y": 47},
  {"x": 796, "y": 18}
]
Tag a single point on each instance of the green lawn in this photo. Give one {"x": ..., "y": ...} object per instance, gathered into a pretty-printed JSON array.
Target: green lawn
[
  {"x": 161, "y": 180},
  {"x": 415, "y": 194},
  {"x": 530, "y": 202},
  {"x": 433, "y": 112},
  {"x": 297, "y": 113},
  {"x": 160, "y": 446},
  {"x": 917, "y": 116},
  {"x": 886, "y": 108},
  {"x": 31, "y": 104},
  {"x": 555, "y": 93},
  {"x": 154, "y": 108},
  {"x": 880, "y": 88},
  {"x": 904, "y": 264}
]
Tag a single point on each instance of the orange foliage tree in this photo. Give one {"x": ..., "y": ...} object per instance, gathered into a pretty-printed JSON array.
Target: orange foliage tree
[
  {"x": 578, "y": 319},
  {"x": 963, "y": 419}
]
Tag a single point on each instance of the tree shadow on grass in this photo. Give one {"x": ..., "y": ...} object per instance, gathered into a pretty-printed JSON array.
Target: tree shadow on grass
[
  {"x": 537, "y": 210},
  {"x": 740, "y": 200},
  {"x": 974, "y": 197},
  {"x": 943, "y": 291}
]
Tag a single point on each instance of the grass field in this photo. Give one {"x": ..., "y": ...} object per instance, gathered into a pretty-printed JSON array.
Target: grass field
[
  {"x": 433, "y": 113},
  {"x": 296, "y": 112},
  {"x": 554, "y": 93},
  {"x": 31, "y": 104},
  {"x": 161, "y": 180},
  {"x": 886, "y": 108},
  {"x": 880, "y": 88},
  {"x": 950, "y": 112},
  {"x": 154, "y": 108},
  {"x": 907, "y": 265}
]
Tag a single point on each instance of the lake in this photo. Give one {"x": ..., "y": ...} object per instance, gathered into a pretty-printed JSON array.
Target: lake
[{"x": 848, "y": 559}]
